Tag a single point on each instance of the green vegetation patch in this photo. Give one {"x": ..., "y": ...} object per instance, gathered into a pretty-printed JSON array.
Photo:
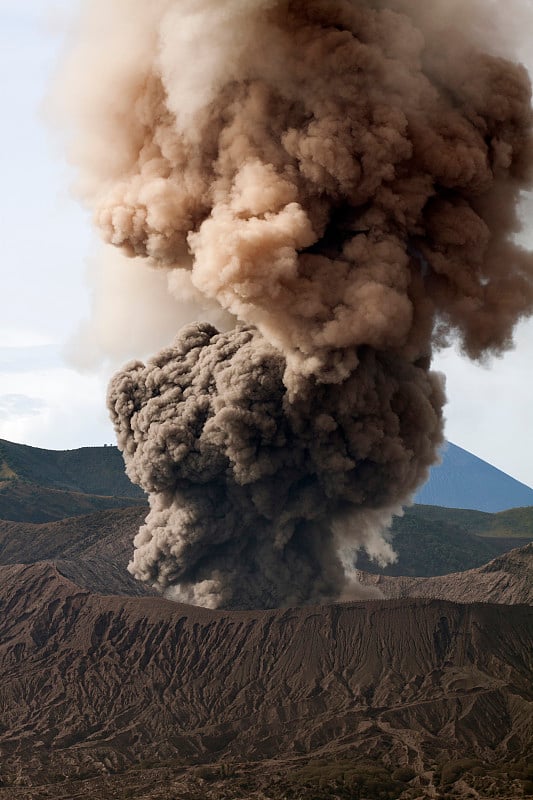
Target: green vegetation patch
[{"x": 431, "y": 540}]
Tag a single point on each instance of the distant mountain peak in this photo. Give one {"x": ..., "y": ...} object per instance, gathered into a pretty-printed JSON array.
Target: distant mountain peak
[{"x": 463, "y": 480}]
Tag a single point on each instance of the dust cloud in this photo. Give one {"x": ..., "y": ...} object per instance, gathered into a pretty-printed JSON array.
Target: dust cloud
[{"x": 342, "y": 179}]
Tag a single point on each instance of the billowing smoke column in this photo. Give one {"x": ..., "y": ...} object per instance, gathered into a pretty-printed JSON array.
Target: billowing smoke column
[
  {"x": 342, "y": 177},
  {"x": 245, "y": 482}
]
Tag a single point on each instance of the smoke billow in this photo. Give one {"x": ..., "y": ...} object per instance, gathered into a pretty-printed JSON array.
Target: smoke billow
[
  {"x": 342, "y": 178},
  {"x": 244, "y": 483}
]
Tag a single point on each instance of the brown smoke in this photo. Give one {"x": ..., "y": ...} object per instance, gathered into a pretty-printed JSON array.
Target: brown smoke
[
  {"x": 343, "y": 178},
  {"x": 244, "y": 485}
]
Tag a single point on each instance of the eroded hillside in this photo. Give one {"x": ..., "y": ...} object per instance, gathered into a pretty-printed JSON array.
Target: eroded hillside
[{"x": 89, "y": 680}]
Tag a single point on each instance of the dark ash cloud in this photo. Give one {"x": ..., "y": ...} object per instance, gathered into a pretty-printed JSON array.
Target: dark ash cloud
[{"x": 343, "y": 178}]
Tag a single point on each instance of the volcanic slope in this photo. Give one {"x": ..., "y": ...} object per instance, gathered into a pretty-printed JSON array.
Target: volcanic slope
[
  {"x": 507, "y": 579},
  {"x": 91, "y": 550},
  {"x": 39, "y": 486},
  {"x": 462, "y": 480},
  {"x": 429, "y": 540},
  {"x": 88, "y": 680},
  {"x": 94, "y": 550},
  {"x": 89, "y": 470},
  {"x": 27, "y": 502},
  {"x": 432, "y": 540},
  {"x": 106, "y": 535}
]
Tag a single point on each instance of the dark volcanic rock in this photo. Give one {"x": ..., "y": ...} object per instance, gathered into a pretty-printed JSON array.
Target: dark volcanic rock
[
  {"x": 93, "y": 551},
  {"x": 85, "y": 677},
  {"x": 103, "y": 577}
]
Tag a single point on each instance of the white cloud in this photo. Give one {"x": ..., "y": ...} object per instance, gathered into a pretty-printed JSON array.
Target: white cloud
[
  {"x": 46, "y": 404},
  {"x": 19, "y": 405},
  {"x": 490, "y": 408},
  {"x": 22, "y": 337}
]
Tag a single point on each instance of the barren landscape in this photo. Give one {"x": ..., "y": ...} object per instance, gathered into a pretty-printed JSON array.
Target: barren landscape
[
  {"x": 93, "y": 684},
  {"x": 313, "y": 214},
  {"x": 108, "y": 690}
]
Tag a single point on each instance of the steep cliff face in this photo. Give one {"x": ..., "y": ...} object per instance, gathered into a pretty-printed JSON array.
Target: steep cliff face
[{"x": 86, "y": 676}]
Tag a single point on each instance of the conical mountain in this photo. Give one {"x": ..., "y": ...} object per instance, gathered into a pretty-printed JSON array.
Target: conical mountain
[{"x": 463, "y": 480}]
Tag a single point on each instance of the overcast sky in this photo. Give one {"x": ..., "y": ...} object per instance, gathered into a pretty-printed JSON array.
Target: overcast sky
[{"x": 47, "y": 244}]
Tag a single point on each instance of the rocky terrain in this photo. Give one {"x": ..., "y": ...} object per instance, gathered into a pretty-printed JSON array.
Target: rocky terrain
[
  {"x": 506, "y": 579},
  {"x": 106, "y": 535},
  {"x": 108, "y": 690},
  {"x": 95, "y": 684},
  {"x": 429, "y": 540},
  {"x": 91, "y": 550}
]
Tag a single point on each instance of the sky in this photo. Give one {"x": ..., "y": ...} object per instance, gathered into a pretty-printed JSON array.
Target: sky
[{"x": 51, "y": 394}]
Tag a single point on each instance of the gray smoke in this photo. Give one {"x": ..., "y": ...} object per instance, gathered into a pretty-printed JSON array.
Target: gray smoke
[
  {"x": 246, "y": 484},
  {"x": 342, "y": 177}
]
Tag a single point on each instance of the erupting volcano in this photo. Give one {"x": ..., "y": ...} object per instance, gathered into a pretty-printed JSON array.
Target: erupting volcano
[{"x": 342, "y": 178}]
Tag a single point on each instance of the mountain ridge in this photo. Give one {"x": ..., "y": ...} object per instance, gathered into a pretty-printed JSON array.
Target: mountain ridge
[
  {"x": 101, "y": 676},
  {"x": 463, "y": 480},
  {"x": 506, "y": 579},
  {"x": 88, "y": 470},
  {"x": 86, "y": 676}
]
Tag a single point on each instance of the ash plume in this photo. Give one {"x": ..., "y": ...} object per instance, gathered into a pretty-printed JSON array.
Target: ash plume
[
  {"x": 245, "y": 484},
  {"x": 342, "y": 177}
]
